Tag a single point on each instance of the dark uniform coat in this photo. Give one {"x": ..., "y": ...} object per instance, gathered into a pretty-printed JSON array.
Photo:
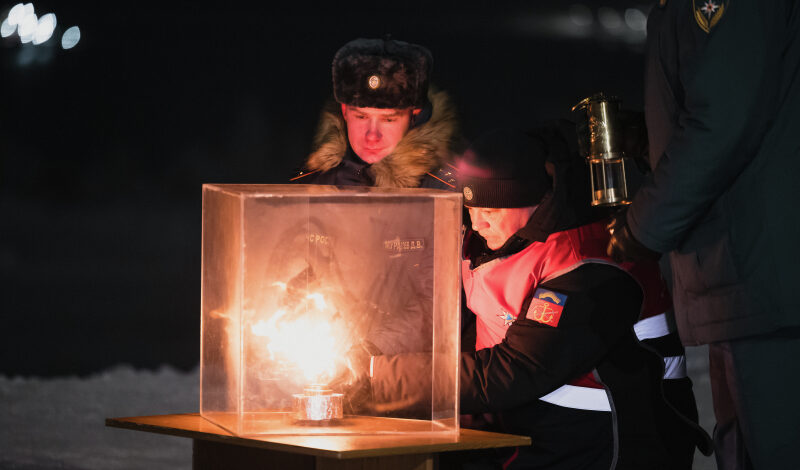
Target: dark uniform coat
[
  {"x": 722, "y": 100},
  {"x": 722, "y": 94}
]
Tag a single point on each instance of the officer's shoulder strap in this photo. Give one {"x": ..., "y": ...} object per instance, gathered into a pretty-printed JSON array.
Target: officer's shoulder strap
[
  {"x": 303, "y": 174},
  {"x": 445, "y": 174}
]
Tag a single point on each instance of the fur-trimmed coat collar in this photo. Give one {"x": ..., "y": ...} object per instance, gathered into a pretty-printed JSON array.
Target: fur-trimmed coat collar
[{"x": 423, "y": 149}]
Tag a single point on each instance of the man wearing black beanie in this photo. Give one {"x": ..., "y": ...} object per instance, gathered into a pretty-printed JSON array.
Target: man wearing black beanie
[{"x": 569, "y": 347}]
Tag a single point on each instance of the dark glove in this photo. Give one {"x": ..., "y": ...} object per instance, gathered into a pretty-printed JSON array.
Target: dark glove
[
  {"x": 623, "y": 246},
  {"x": 355, "y": 383}
]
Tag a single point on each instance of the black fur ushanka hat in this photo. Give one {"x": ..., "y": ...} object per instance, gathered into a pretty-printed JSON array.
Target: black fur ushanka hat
[{"x": 382, "y": 73}]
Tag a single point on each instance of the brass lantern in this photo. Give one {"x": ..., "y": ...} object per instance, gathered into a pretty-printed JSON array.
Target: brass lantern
[{"x": 600, "y": 142}]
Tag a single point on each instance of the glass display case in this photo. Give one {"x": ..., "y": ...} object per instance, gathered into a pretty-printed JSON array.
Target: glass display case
[{"x": 301, "y": 284}]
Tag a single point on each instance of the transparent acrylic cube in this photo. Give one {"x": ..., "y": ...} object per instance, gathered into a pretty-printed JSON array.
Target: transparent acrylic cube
[{"x": 301, "y": 284}]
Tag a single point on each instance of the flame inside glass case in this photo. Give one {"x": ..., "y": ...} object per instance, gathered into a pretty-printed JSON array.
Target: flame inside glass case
[{"x": 296, "y": 279}]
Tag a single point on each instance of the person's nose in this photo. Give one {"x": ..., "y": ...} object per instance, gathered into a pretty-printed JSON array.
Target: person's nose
[
  {"x": 373, "y": 131},
  {"x": 478, "y": 222}
]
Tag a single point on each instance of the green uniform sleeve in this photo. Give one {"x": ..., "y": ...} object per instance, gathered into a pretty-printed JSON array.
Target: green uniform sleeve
[{"x": 728, "y": 79}]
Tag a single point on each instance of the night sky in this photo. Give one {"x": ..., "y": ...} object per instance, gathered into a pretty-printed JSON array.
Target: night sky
[{"x": 104, "y": 147}]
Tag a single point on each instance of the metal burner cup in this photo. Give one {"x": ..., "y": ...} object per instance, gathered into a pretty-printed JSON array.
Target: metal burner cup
[{"x": 317, "y": 404}]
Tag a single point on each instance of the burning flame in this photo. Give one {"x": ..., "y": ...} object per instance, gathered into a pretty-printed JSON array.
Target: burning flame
[{"x": 311, "y": 336}]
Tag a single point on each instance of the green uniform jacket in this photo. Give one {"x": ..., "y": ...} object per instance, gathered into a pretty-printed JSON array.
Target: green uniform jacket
[{"x": 723, "y": 114}]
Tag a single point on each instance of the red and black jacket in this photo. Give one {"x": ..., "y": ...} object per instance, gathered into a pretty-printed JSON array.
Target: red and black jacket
[{"x": 555, "y": 344}]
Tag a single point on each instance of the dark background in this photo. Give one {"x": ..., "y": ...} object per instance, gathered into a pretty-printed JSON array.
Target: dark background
[{"x": 104, "y": 147}]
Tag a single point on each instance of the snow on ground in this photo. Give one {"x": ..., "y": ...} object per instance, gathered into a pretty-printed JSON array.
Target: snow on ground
[{"x": 58, "y": 423}]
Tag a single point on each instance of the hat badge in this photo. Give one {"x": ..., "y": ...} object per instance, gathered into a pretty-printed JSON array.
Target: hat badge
[
  {"x": 374, "y": 82},
  {"x": 467, "y": 193}
]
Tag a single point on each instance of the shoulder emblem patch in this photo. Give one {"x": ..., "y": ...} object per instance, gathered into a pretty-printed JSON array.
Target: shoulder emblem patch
[
  {"x": 707, "y": 13},
  {"x": 546, "y": 307}
]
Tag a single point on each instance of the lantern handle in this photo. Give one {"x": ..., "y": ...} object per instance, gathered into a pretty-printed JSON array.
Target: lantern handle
[{"x": 597, "y": 97}]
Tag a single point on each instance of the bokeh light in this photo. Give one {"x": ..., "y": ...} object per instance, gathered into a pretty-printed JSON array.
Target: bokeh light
[
  {"x": 636, "y": 19},
  {"x": 45, "y": 28},
  {"x": 27, "y": 27},
  {"x": 22, "y": 19},
  {"x": 609, "y": 18},
  {"x": 71, "y": 37},
  {"x": 16, "y": 13},
  {"x": 581, "y": 15},
  {"x": 7, "y": 29}
]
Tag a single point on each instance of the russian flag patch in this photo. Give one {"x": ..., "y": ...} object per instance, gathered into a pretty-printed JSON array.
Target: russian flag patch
[{"x": 546, "y": 307}]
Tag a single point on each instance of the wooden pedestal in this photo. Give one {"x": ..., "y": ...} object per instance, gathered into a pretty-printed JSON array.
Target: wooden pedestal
[{"x": 216, "y": 448}]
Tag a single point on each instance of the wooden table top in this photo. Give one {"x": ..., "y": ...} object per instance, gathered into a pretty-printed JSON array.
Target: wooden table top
[{"x": 192, "y": 425}]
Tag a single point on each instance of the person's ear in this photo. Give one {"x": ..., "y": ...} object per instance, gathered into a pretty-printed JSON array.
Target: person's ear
[
  {"x": 414, "y": 113},
  {"x": 344, "y": 109}
]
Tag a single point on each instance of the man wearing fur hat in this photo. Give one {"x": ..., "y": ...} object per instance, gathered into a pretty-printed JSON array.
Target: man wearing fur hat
[
  {"x": 570, "y": 348},
  {"x": 386, "y": 128}
]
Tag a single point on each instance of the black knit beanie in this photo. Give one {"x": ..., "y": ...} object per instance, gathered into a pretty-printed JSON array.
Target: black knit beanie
[
  {"x": 382, "y": 73},
  {"x": 504, "y": 169}
]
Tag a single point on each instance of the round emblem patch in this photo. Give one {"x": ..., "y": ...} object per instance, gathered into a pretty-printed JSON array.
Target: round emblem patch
[
  {"x": 374, "y": 81},
  {"x": 467, "y": 193}
]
